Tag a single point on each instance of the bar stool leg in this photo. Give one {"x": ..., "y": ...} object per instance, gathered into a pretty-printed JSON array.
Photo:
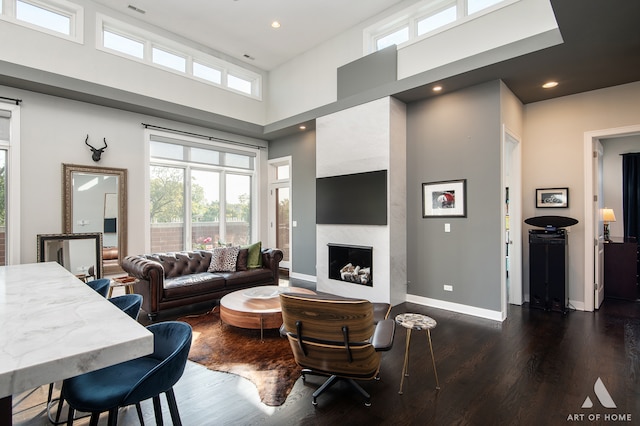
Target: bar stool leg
[
  {"x": 405, "y": 367},
  {"x": 433, "y": 359}
]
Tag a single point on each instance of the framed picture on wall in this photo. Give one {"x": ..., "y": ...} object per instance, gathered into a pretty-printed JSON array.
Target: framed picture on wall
[
  {"x": 552, "y": 197},
  {"x": 444, "y": 199}
]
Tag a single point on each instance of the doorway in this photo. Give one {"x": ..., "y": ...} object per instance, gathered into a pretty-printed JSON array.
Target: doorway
[
  {"x": 512, "y": 220},
  {"x": 280, "y": 208},
  {"x": 592, "y": 259}
]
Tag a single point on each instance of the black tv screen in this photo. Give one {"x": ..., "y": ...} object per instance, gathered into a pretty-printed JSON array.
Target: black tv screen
[{"x": 355, "y": 199}]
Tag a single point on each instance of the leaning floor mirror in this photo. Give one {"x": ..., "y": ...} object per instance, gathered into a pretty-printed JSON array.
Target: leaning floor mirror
[
  {"x": 95, "y": 200},
  {"x": 80, "y": 254}
]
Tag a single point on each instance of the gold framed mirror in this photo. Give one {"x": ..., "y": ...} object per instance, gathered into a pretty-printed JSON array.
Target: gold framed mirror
[
  {"x": 80, "y": 254},
  {"x": 95, "y": 200}
]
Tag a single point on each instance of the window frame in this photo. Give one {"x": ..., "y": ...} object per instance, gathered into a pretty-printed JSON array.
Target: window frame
[
  {"x": 13, "y": 221},
  {"x": 151, "y": 40},
  {"x": 189, "y": 165},
  {"x": 417, "y": 12},
  {"x": 73, "y": 11}
]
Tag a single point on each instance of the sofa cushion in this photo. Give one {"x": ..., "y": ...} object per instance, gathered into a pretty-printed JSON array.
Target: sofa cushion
[
  {"x": 192, "y": 284},
  {"x": 223, "y": 259},
  {"x": 251, "y": 276},
  {"x": 243, "y": 256},
  {"x": 255, "y": 255}
]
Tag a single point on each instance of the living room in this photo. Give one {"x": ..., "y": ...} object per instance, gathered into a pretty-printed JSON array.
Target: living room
[{"x": 452, "y": 136}]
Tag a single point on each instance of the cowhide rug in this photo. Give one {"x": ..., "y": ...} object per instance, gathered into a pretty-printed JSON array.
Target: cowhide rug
[{"x": 221, "y": 347}]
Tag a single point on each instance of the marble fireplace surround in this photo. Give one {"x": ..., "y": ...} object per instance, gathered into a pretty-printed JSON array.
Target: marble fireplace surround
[{"x": 368, "y": 137}]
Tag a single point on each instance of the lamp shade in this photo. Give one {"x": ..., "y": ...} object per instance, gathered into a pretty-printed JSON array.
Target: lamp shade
[{"x": 608, "y": 215}]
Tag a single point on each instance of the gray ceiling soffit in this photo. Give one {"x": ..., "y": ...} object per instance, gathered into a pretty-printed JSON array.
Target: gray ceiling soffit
[{"x": 47, "y": 83}]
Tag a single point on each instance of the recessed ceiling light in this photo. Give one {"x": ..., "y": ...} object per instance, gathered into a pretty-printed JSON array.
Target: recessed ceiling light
[
  {"x": 550, "y": 84},
  {"x": 437, "y": 88},
  {"x": 302, "y": 127},
  {"x": 275, "y": 24}
]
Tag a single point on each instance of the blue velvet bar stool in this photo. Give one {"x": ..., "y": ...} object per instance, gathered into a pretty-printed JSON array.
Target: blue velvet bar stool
[
  {"x": 136, "y": 380},
  {"x": 130, "y": 304},
  {"x": 100, "y": 285}
]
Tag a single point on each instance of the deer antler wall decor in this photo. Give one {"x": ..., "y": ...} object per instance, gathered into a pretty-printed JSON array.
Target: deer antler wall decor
[{"x": 96, "y": 152}]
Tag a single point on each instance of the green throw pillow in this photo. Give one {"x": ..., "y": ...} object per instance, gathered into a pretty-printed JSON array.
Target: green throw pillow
[{"x": 254, "y": 259}]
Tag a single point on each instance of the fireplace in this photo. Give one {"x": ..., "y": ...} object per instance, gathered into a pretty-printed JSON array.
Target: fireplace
[{"x": 353, "y": 264}]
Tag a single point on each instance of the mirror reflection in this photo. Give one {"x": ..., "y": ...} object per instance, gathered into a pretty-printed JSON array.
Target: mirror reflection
[
  {"x": 95, "y": 201},
  {"x": 80, "y": 254}
]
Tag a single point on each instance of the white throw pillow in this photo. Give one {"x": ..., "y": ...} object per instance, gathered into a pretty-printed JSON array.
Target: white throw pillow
[{"x": 223, "y": 259}]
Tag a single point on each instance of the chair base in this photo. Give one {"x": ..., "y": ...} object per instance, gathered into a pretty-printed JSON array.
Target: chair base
[{"x": 332, "y": 380}]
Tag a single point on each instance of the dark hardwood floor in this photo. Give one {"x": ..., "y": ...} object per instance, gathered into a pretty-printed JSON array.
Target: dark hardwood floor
[{"x": 535, "y": 368}]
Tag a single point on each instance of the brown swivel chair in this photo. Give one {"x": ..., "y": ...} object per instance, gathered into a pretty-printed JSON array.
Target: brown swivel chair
[{"x": 336, "y": 338}]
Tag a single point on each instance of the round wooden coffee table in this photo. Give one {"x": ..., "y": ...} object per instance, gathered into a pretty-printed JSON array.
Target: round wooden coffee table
[{"x": 257, "y": 307}]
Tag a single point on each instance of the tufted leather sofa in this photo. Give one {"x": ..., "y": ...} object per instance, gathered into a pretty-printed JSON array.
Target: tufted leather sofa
[{"x": 170, "y": 280}]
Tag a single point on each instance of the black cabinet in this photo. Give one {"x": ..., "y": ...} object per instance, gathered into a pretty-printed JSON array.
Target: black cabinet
[
  {"x": 621, "y": 270},
  {"x": 548, "y": 270}
]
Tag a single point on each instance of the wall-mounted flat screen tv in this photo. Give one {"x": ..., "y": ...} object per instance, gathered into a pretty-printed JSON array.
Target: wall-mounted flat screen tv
[{"x": 354, "y": 199}]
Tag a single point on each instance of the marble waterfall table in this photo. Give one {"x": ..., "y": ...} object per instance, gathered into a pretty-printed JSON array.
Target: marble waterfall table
[{"x": 53, "y": 326}]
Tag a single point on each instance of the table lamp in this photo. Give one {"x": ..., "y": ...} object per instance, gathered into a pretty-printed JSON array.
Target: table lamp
[{"x": 608, "y": 216}]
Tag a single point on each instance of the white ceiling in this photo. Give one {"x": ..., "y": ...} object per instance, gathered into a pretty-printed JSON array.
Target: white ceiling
[{"x": 239, "y": 27}]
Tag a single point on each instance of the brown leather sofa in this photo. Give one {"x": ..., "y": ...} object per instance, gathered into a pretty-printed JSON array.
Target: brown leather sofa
[{"x": 170, "y": 280}]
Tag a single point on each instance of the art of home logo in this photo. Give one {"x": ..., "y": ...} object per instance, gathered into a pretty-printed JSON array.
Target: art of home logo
[{"x": 605, "y": 401}]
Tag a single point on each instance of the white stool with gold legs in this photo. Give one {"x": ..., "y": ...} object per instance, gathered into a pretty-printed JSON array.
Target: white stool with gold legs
[{"x": 416, "y": 322}]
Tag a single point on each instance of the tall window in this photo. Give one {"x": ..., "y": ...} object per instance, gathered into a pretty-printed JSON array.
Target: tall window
[
  {"x": 201, "y": 196},
  {"x": 280, "y": 207},
  {"x": 9, "y": 184}
]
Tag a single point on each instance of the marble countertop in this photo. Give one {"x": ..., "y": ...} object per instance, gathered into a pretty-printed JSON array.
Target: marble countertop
[{"x": 53, "y": 326}]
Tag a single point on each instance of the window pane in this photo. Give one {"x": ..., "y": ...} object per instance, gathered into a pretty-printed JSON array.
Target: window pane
[
  {"x": 123, "y": 44},
  {"x": 237, "y": 160},
  {"x": 169, "y": 60},
  {"x": 43, "y": 17},
  {"x": 166, "y": 150},
  {"x": 207, "y": 73},
  {"x": 205, "y": 209},
  {"x": 437, "y": 20},
  {"x": 4, "y": 127},
  {"x": 238, "y": 209},
  {"x": 396, "y": 37},
  {"x": 240, "y": 84},
  {"x": 205, "y": 156},
  {"x": 3, "y": 207},
  {"x": 167, "y": 209},
  {"x": 477, "y": 5},
  {"x": 282, "y": 222},
  {"x": 282, "y": 172}
]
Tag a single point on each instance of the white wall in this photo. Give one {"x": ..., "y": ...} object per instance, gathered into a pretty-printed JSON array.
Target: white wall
[
  {"x": 553, "y": 152},
  {"x": 309, "y": 81},
  {"x": 52, "y": 54},
  {"x": 53, "y": 132}
]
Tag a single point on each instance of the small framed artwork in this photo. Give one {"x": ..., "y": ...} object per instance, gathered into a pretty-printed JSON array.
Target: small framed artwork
[
  {"x": 552, "y": 197},
  {"x": 444, "y": 199}
]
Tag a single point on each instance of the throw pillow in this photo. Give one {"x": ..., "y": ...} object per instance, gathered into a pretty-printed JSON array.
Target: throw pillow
[
  {"x": 223, "y": 259},
  {"x": 255, "y": 255},
  {"x": 243, "y": 256}
]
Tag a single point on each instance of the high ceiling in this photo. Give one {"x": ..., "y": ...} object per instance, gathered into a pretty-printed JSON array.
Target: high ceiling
[
  {"x": 601, "y": 39},
  {"x": 243, "y": 27}
]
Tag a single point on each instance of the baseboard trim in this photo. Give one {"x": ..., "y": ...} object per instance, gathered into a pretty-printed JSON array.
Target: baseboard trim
[
  {"x": 305, "y": 277},
  {"x": 456, "y": 307}
]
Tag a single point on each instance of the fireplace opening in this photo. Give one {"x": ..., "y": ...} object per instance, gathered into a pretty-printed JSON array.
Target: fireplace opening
[{"x": 352, "y": 264}]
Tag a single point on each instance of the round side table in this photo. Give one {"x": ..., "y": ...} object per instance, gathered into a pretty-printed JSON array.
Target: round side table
[{"x": 417, "y": 322}]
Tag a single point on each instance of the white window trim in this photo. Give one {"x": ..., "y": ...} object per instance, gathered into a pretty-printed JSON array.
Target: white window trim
[
  {"x": 193, "y": 141},
  {"x": 273, "y": 184},
  {"x": 411, "y": 15},
  {"x": 151, "y": 40},
  {"x": 73, "y": 11},
  {"x": 13, "y": 186}
]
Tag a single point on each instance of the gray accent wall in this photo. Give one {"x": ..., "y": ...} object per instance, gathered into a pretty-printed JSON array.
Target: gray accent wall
[
  {"x": 368, "y": 72},
  {"x": 302, "y": 149},
  {"x": 456, "y": 136}
]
